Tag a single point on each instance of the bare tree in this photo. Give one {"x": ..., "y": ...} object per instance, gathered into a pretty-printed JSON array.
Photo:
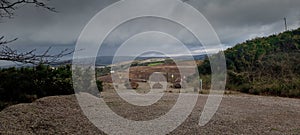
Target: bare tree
[
  {"x": 30, "y": 57},
  {"x": 7, "y": 9}
]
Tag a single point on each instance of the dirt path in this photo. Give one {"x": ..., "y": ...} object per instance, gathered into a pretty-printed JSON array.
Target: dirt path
[{"x": 238, "y": 114}]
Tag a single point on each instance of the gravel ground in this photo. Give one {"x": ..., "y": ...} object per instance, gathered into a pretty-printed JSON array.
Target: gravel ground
[{"x": 237, "y": 114}]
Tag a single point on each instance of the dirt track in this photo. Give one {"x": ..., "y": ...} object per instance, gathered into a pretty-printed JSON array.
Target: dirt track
[{"x": 238, "y": 114}]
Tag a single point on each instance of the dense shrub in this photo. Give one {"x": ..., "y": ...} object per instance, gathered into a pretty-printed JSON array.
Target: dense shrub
[
  {"x": 19, "y": 85},
  {"x": 265, "y": 66},
  {"x": 22, "y": 85},
  {"x": 99, "y": 85}
]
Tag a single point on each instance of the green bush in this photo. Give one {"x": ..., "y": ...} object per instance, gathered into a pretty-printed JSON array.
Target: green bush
[
  {"x": 265, "y": 66},
  {"x": 23, "y": 85},
  {"x": 99, "y": 85}
]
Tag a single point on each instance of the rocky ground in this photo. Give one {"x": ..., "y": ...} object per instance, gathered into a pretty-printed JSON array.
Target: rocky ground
[{"x": 237, "y": 114}]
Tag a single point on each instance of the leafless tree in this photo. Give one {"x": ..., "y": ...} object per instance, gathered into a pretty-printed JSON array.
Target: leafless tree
[{"x": 7, "y": 9}]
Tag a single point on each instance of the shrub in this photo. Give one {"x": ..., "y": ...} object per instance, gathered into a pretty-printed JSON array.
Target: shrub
[
  {"x": 99, "y": 85},
  {"x": 22, "y": 85}
]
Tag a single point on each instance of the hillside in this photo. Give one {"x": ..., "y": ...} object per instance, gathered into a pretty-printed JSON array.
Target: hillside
[{"x": 266, "y": 66}]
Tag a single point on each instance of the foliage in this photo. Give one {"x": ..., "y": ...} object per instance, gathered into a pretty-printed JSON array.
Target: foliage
[
  {"x": 99, "y": 85},
  {"x": 267, "y": 65},
  {"x": 205, "y": 69},
  {"x": 169, "y": 61},
  {"x": 22, "y": 85},
  {"x": 103, "y": 71},
  {"x": 155, "y": 64}
]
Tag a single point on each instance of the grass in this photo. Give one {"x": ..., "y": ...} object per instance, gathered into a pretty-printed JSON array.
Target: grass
[{"x": 155, "y": 64}]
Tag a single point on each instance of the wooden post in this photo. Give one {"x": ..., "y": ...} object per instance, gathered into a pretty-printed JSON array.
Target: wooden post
[{"x": 200, "y": 84}]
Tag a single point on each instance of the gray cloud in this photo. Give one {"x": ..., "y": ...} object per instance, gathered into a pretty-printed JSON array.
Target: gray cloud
[
  {"x": 35, "y": 26},
  {"x": 233, "y": 20},
  {"x": 238, "y": 20}
]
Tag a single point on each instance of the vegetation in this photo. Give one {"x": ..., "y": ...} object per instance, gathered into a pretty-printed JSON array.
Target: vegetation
[
  {"x": 103, "y": 71},
  {"x": 155, "y": 64},
  {"x": 265, "y": 66},
  {"x": 140, "y": 63},
  {"x": 27, "y": 84},
  {"x": 23, "y": 85}
]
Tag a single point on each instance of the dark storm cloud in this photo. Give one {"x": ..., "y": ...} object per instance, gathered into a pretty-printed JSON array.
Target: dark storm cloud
[
  {"x": 233, "y": 20},
  {"x": 36, "y": 26},
  {"x": 237, "y": 20}
]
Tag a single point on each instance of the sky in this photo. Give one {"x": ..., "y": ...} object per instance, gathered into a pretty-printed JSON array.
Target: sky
[{"x": 234, "y": 21}]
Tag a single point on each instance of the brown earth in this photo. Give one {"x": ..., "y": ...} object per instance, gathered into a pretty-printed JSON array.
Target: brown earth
[
  {"x": 237, "y": 114},
  {"x": 142, "y": 73}
]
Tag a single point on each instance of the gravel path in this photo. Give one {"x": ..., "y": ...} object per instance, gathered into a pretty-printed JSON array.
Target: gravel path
[{"x": 238, "y": 114}]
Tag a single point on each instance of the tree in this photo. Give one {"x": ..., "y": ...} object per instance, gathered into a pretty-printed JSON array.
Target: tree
[{"x": 7, "y": 9}]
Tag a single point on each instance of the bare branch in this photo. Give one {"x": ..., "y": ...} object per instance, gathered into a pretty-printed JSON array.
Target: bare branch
[
  {"x": 5, "y": 42},
  {"x": 7, "y": 7},
  {"x": 30, "y": 57}
]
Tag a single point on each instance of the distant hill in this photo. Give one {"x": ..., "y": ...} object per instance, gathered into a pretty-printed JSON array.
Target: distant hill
[
  {"x": 107, "y": 60},
  {"x": 266, "y": 66}
]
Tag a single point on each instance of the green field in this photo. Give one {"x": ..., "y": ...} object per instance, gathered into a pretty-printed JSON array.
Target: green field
[{"x": 155, "y": 64}]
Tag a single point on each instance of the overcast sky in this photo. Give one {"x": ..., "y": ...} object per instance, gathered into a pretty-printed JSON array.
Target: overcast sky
[{"x": 234, "y": 21}]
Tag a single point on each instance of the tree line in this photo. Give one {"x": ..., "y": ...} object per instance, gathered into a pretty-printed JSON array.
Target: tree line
[{"x": 265, "y": 66}]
